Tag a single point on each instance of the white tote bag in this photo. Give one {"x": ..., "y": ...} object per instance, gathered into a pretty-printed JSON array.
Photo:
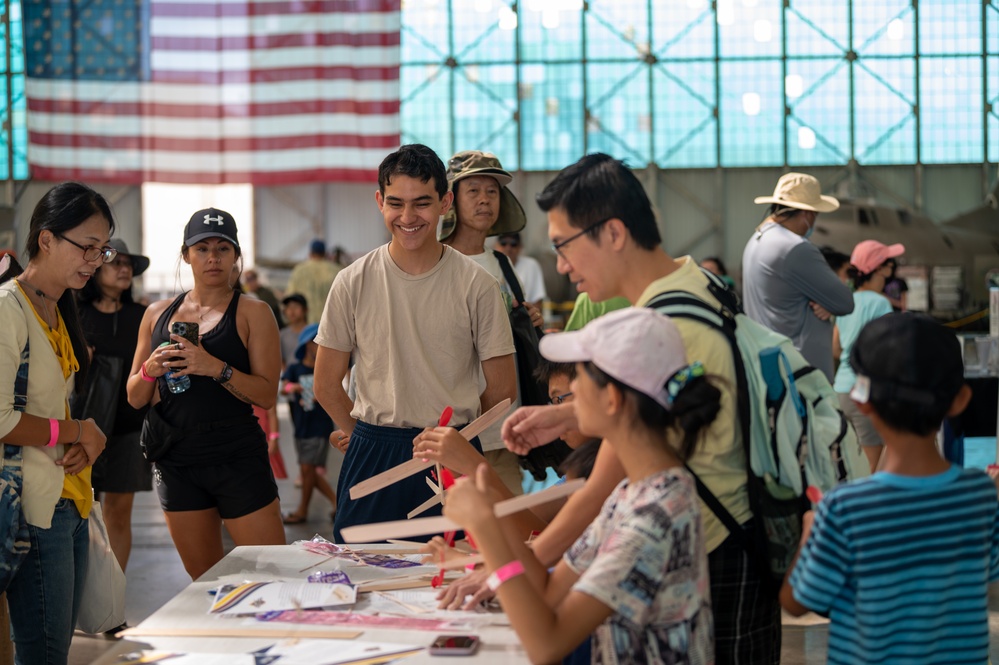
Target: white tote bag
[{"x": 103, "y": 604}]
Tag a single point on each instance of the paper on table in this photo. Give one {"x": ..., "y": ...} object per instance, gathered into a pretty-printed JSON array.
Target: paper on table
[
  {"x": 311, "y": 652},
  {"x": 172, "y": 658},
  {"x": 256, "y": 597}
]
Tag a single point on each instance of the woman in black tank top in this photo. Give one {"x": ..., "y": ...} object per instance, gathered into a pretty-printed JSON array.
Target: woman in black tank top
[{"x": 218, "y": 471}]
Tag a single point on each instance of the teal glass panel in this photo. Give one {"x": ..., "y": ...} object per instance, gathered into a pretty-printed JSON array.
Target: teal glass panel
[
  {"x": 684, "y": 30},
  {"x": 425, "y": 113},
  {"x": 617, "y": 30},
  {"x": 551, "y": 115},
  {"x": 951, "y": 110},
  {"x": 619, "y": 120},
  {"x": 751, "y": 113},
  {"x": 684, "y": 119},
  {"x": 950, "y": 27},
  {"x": 484, "y": 31},
  {"x": 884, "y": 27},
  {"x": 818, "y": 95},
  {"x": 749, "y": 30},
  {"x": 485, "y": 100},
  {"x": 884, "y": 95},
  {"x": 550, "y": 34},
  {"x": 993, "y": 116},
  {"x": 426, "y": 30},
  {"x": 818, "y": 27}
]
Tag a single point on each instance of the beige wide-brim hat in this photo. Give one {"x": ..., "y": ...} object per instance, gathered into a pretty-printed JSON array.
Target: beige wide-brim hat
[
  {"x": 475, "y": 162},
  {"x": 801, "y": 191}
]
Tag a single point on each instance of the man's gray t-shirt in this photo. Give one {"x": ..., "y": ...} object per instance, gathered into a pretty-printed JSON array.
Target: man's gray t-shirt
[{"x": 782, "y": 273}]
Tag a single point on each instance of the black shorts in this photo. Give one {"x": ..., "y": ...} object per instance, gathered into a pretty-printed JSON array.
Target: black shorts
[
  {"x": 236, "y": 488},
  {"x": 122, "y": 466}
]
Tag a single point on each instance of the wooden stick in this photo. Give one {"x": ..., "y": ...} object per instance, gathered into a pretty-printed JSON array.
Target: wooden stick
[
  {"x": 386, "y": 478},
  {"x": 411, "y": 543},
  {"x": 396, "y": 585},
  {"x": 226, "y": 631},
  {"x": 415, "y": 465},
  {"x": 366, "y": 533},
  {"x": 425, "y": 506},
  {"x": 461, "y": 562},
  {"x": 483, "y": 422}
]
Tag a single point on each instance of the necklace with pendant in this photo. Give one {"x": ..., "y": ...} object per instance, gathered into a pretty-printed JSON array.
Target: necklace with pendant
[{"x": 44, "y": 297}]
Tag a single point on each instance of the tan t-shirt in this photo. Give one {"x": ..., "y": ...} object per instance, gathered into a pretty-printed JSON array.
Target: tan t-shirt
[
  {"x": 418, "y": 340},
  {"x": 718, "y": 458}
]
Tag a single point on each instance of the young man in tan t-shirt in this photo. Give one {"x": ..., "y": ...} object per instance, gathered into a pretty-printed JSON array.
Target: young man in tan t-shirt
[{"x": 420, "y": 319}]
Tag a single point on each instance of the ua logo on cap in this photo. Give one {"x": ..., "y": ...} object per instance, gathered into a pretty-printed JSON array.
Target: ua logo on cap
[{"x": 217, "y": 220}]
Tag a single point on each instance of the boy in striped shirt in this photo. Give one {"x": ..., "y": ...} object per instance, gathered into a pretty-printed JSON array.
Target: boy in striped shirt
[{"x": 901, "y": 561}]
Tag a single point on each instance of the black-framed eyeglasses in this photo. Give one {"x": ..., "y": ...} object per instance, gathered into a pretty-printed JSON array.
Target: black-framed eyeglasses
[
  {"x": 559, "y": 399},
  {"x": 557, "y": 246},
  {"x": 91, "y": 253}
]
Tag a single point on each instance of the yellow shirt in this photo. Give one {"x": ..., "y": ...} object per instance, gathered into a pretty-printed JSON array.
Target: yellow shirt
[
  {"x": 76, "y": 487},
  {"x": 718, "y": 458}
]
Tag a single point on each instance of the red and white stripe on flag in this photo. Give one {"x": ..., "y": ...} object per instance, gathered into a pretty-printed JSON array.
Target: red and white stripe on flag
[{"x": 267, "y": 92}]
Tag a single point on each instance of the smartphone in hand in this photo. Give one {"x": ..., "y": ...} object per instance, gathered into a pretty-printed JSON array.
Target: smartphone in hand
[{"x": 185, "y": 329}]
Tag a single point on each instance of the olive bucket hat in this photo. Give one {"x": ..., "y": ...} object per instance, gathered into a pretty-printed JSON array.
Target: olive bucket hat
[{"x": 475, "y": 162}]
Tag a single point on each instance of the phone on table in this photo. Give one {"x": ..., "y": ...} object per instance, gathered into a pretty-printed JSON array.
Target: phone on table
[
  {"x": 185, "y": 329},
  {"x": 454, "y": 645}
]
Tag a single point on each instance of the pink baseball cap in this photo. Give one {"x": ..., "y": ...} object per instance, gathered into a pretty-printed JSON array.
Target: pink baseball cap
[
  {"x": 637, "y": 346},
  {"x": 870, "y": 254}
]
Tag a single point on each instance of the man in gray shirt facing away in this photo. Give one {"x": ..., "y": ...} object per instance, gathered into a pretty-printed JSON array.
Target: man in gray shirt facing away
[{"x": 787, "y": 284}]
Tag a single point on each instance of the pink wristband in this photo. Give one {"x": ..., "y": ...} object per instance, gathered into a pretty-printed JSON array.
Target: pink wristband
[
  {"x": 504, "y": 573},
  {"x": 273, "y": 435},
  {"x": 53, "y": 432},
  {"x": 143, "y": 375}
]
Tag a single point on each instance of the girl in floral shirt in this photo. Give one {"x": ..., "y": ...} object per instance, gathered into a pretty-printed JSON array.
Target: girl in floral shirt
[{"x": 637, "y": 579}]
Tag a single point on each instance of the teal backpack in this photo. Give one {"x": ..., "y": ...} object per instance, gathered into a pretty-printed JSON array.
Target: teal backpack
[{"x": 794, "y": 433}]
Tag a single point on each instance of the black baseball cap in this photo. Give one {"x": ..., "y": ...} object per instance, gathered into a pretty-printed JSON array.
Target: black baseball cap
[
  {"x": 210, "y": 223},
  {"x": 907, "y": 357},
  {"x": 296, "y": 297}
]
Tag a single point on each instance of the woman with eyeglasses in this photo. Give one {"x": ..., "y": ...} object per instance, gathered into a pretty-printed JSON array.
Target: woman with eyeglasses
[
  {"x": 111, "y": 318},
  {"x": 42, "y": 355},
  {"x": 212, "y": 468}
]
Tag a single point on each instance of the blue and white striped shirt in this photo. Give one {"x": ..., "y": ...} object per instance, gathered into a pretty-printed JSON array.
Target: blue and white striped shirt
[{"x": 901, "y": 566}]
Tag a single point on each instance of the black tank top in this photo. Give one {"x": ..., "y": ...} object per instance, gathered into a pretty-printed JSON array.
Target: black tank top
[{"x": 207, "y": 402}]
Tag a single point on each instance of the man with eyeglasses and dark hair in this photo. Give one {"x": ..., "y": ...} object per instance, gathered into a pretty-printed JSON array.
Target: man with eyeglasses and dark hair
[
  {"x": 527, "y": 268},
  {"x": 605, "y": 233}
]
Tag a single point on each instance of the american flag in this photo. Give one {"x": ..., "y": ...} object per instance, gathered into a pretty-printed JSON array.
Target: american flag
[{"x": 267, "y": 92}]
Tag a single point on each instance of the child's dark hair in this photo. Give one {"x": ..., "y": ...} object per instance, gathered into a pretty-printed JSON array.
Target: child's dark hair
[
  {"x": 579, "y": 463},
  {"x": 546, "y": 369},
  {"x": 915, "y": 370},
  {"x": 694, "y": 407},
  {"x": 860, "y": 278}
]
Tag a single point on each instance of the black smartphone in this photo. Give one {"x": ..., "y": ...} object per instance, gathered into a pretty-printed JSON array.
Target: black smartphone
[
  {"x": 185, "y": 329},
  {"x": 454, "y": 645}
]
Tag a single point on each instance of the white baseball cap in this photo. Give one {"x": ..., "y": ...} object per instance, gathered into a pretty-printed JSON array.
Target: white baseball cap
[{"x": 638, "y": 346}]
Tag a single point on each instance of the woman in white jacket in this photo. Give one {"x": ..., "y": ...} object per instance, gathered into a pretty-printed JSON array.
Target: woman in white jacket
[{"x": 67, "y": 242}]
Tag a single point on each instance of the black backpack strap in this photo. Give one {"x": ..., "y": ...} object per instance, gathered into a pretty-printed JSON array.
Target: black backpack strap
[{"x": 510, "y": 276}]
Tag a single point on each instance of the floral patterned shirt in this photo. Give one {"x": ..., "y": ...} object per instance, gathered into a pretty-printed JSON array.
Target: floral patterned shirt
[{"x": 644, "y": 557}]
